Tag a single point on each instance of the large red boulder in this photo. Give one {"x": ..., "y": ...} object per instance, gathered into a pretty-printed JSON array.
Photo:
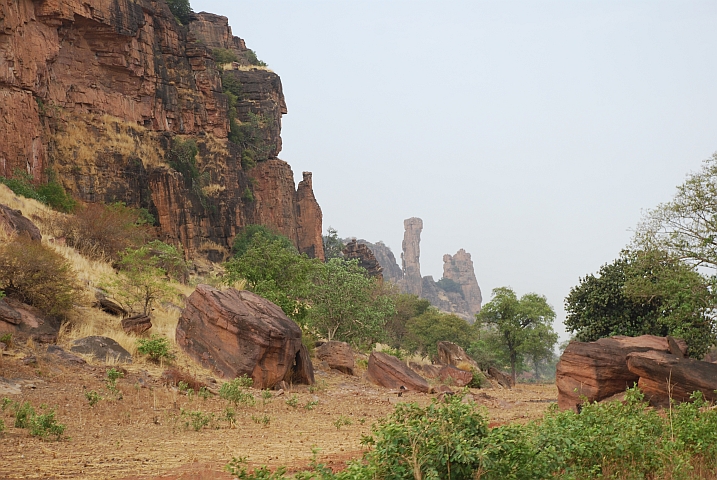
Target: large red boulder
[
  {"x": 237, "y": 332},
  {"x": 450, "y": 353},
  {"x": 454, "y": 376},
  {"x": 24, "y": 322},
  {"x": 338, "y": 355},
  {"x": 388, "y": 371},
  {"x": 598, "y": 370},
  {"x": 14, "y": 221}
]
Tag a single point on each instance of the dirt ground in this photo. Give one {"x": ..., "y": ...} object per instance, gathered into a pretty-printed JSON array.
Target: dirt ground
[{"x": 144, "y": 435}]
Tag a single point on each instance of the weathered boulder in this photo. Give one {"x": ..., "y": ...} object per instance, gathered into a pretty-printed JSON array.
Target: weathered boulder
[
  {"x": 108, "y": 305},
  {"x": 450, "y": 353},
  {"x": 598, "y": 370},
  {"x": 664, "y": 376},
  {"x": 137, "y": 324},
  {"x": 101, "y": 348},
  {"x": 390, "y": 372},
  {"x": 25, "y": 322},
  {"x": 238, "y": 332},
  {"x": 63, "y": 355},
  {"x": 13, "y": 221},
  {"x": 303, "y": 371},
  {"x": 338, "y": 355},
  {"x": 425, "y": 370},
  {"x": 454, "y": 376},
  {"x": 503, "y": 379}
]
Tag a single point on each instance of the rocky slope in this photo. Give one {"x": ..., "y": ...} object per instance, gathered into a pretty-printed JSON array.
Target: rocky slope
[{"x": 100, "y": 92}]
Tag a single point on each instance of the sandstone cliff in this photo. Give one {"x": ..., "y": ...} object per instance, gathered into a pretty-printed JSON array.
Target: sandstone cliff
[{"x": 100, "y": 91}]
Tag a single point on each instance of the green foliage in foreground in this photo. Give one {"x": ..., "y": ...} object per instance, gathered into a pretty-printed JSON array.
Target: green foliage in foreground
[
  {"x": 40, "y": 425},
  {"x": 157, "y": 348},
  {"x": 606, "y": 440}
]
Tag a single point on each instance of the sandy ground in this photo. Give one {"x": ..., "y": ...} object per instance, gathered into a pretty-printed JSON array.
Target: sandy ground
[{"x": 144, "y": 435}]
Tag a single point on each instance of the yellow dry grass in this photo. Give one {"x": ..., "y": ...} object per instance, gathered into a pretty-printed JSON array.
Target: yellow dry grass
[
  {"x": 82, "y": 136},
  {"x": 29, "y": 207}
]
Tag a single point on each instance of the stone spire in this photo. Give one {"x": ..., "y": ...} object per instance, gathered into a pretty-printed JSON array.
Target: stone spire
[
  {"x": 459, "y": 268},
  {"x": 410, "y": 258}
]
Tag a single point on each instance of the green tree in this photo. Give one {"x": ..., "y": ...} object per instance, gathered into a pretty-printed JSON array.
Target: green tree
[
  {"x": 333, "y": 246},
  {"x": 347, "y": 304},
  {"x": 519, "y": 323},
  {"x": 407, "y": 306},
  {"x": 244, "y": 239},
  {"x": 223, "y": 56},
  {"x": 181, "y": 10},
  {"x": 275, "y": 271},
  {"x": 144, "y": 276},
  {"x": 427, "y": 329},
  {"x": 644, "y": 292}
]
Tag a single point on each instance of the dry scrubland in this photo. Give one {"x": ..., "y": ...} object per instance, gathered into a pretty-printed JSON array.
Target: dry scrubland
[{"x": 145, "y": 434}]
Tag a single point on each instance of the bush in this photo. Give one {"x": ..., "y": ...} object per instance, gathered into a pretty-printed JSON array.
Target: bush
[
  {"x": 236, "y": 391},
  {"x": 50, "y": 193},
  {"x": 157, "y": 348},
  {"x": 181, "y": 10},
  {"x": 45, "y": 425},
  {"x": 223, "y": 56},
  {"x": 251, "y": 56},
  {"x": 103, "y": 231},
  {"x": 35, "y": 274}
]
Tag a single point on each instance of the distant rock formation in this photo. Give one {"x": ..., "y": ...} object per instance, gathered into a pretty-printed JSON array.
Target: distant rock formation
[
  {"x": 410, "y": 258},
  {"x": 457, "y": 292},
  {"x": 367, "y": 260}
]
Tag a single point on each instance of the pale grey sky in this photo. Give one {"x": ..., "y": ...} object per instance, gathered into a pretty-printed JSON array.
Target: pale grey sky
[{"x": 530, "y": 133}]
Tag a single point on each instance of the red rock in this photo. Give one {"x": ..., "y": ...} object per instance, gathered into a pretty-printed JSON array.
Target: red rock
[
  {"x": 502, "y": 378},
  {"x": 13, "y": 221},
  {"x": 451, "y": 354},
  {"x": 25, "y": 322},
  {"x": 598, "y": 370},
  {"x": 454, "y": 376},
  {"x": 425, "y": 370},
  {"x": 338, "y": 355},
  {"x": 137, "y": 324},
  {"x": 390, "y": 372},
  {"x": 685, "y": 375},
  {"x": 366, "y": 259},
  {"x": 237, "y": 332}
]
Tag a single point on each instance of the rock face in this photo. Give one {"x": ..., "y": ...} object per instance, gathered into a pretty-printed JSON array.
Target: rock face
[
  {"x": 410, "y": 258},
  {"x": 237, "y": 332},
  {"x": 383, "y": 254},
  {"x": 13, "y": 221},
  {"x": 361, "y": 252},
  {"x": 338, "y": 355},
  {"x": 101, "y": 92},
  {"x": 454, "y": 376},
  {"x": 26, "y": 322},
  {"x": 390, "y": 372},
  {"x": 451, "y": 354},
  {"x": 598, "y": 370},
  {"x": 459, "y": 268},
  {"x": 101, "y": 348}
]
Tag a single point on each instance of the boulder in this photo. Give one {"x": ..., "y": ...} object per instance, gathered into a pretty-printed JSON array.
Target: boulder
[
  {"x": 302, "y": 372},
  {"x": 101, "y": 348},
  {"x": 109, "y": 306},
  {"x": 664, "y": 376},
  {"x": 237, "y": 332},
  {"x": 25, "y": 322},
  {"x": 451, "y": 354},
  {"x": 63, "y": 355},
  {"x": 454, "y": 376},
  {"x": 598, "y": 370},
  {"x": 426, "y": 370},
  {"x": 390, "y": 372},
  {"x": 338, "y": 355},
  {"x": 137, "y": 324},
  {"x": 503, "y": 379},
  {"x": 13, "y": 221}
]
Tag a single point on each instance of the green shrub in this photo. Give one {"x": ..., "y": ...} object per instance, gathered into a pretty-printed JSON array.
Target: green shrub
[
  {"x": 293, "y": 401},
  {"x": 223, "y": 56},
  {"x": 50, "y": 193},
  {"x": 2, "y": 426},
  {"x": 45, "y": 425},
  {"x": 111, "y": 382},
  {"x": 236, "y": 391},
  {"x": 56, "y": 197},
  {"x": 181, "y": 10},
  {"x": 93, "y": 398},
  {"x": 23, "y": 413},
  {"x": 251, "y": 56},
  {"x": 157, "y": 348},
  {"x": 6, "y": 339},
  {"x": 196, "y": 419},
  {"x": 37, "y": 275}
]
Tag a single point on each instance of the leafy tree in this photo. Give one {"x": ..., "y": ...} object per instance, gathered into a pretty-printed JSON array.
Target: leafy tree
[
  {"x": 407, "y": 306},
  {"x": 223, "y": 56},
  {"x": 686, "y": 227},
  {"x": 333, "y": 246},
  {"x": 144, "y": 276},
  {"x": 644, "y": 292},
  {"x": 243, "y": 240},
  {"x": 347, "y": 304},
  {"x": 450, "y": 286},
  {"x": 274, "y": 270},
  {"x": 181, "y": 10},
  {"x": 432, "y": 326},
  {"x": 520, "y": 323}
]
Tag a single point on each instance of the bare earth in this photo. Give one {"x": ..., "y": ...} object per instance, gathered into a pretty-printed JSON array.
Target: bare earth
[{"x": 142, "y": 435}]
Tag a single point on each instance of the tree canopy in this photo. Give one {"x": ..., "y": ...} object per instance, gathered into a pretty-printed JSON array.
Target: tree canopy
[
  {"x": 181, "y": 10},
  {"x": 644, "y": 292},
  {"x": 523, "y": 327}
]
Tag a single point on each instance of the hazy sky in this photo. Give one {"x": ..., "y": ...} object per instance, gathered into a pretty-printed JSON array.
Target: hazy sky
[{"x": 531, "y": 134}]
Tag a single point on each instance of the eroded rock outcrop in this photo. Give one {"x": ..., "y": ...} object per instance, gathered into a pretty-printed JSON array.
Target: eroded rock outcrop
[
  {"x": 390, "y": 372},
  {"x": 383, "y": 254},
  {"x": 411, "y": 256},
  {"x": 361, "y": 252},
  {"x": 459, "y": 269},
  {"x": 102, "y": 91},
  {"x": 237, "y": 332},
  {"x": 338, "y": 355},
  {"x": 26, "y": 322}
]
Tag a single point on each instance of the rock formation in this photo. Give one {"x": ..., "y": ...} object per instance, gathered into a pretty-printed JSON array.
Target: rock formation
[
  {"x": 338, "y": 355},
  {"x": 237, "y": 332},
  {"x": 361, "y": 252},
  {"x": 410, "y": 258},
  {"x": 459, "y": 268},
  {"x": 101, "y": 349},
  {"x": 455, "y": 376},
  {"x": 383, "y": 254},
  {"x": 390, "y": 372},
  {"x": 13, "y": 221},
  {"x": 100, "y": 92},
  {"x": 26, "y": 322}
]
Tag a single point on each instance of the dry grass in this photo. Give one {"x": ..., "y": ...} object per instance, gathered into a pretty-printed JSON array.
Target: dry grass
[
  {"x": 78, "y": 143},
  {"x": 29, "y": 207},
  {"x": 213, "y": 190}
]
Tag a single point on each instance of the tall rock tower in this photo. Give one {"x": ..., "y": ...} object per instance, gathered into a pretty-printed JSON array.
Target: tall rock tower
[
  {"x": 459, "y": 268},
  {"x": 410, "y": 258}
]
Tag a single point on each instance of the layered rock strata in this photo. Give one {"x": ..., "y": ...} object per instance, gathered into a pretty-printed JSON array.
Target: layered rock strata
[
  {"x": 366, "y": 259},
  {"x": 102, "y": 92}
]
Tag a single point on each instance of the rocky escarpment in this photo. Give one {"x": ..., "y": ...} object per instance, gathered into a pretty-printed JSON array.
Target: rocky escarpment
[
  {"x": 104, "y": 94},
  {"x": 457, "y": 292}
]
